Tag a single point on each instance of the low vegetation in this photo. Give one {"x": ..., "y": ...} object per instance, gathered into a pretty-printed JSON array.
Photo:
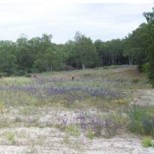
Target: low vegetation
[
  {"x": 96, "y": 104},
  {"x": 147, "y": 142}
]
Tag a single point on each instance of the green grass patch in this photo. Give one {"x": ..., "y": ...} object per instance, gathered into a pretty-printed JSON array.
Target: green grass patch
[
  {"x": 147, "y": 142},
  {"x": 10, "y": 136},
  {"x": 15, "y": 81},
  {"x": 72, "y": 130},
  {"x": 142, "y": 120}
]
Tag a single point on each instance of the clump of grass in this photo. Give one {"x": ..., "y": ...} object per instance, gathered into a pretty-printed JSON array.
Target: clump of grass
[
  {"x": 66, "y": 139},
  {"x": 98, "y": 125},
  {"x": 28, "y": 110},
  {"x": 10, "y": 137},
  {"x": 141, "y": 120},
  {"x": 135, "y": 81},
  {"x": 90, "y": 134},
  {"x": 147, "y": 142},
  {"x": 1, "y": 107},
  {"x": 72, "y": 130},
  {"x": 120, "y": 102},
  {"x": 16, "y": 81}
]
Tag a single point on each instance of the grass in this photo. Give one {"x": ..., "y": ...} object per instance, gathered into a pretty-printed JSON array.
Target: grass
[
  {"x": 10, "y": 137},
  {"x": 147, "y": 142},
  {"x": 1, "y": 107},
  {"x": 142, "y": 120},
  {"x": 72, "y": 130},
  {"x": 15, "y": 81},
  {"x": 90, "y": 134}
]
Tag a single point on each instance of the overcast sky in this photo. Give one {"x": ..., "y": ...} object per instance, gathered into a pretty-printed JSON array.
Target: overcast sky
[{"x": 98, "y": 19}]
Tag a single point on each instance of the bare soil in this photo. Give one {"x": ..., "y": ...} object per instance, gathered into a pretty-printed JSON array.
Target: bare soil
[{"x": 21, "y": 137}]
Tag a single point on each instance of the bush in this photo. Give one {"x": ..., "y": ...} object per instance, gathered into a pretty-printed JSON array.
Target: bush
[
  {"x": 28, "y": 75},
  {"x": 72, "y": 130},
  {"x": 141, "y": 120},
  {"x": 146, "y": 67},
  {"x": 90, "y": 134},
  {"x": 135, "y": 81},
  {"x": 20, "y": 73},
  {"x": 2, "y": 74},
  {"x": 148, "y": 125},
  {"x": 151, "y": 78},
  {"x": 147, "y": 142}
]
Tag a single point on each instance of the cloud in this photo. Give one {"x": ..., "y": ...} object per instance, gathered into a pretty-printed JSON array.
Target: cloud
[{"x": 97, "y": 19}]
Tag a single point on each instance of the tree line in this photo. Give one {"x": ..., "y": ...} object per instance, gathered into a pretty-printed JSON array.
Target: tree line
[{"x": 40, "y": 54}]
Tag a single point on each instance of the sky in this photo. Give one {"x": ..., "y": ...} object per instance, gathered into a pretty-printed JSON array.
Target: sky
[{"x": 97, "y": 19}]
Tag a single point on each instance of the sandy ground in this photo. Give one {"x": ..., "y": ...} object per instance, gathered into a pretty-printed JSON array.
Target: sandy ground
[
  {"x": 50, "y": 141},
  {"x": 144, "y": 97},
  {"x": 35, "y": 133}
]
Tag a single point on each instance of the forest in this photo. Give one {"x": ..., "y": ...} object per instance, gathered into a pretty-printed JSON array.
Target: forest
[{"x": 40, "y": 54}]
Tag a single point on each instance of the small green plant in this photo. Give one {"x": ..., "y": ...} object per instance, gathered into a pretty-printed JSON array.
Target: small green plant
[
  {"x": 26, "y": 110},
  {"x": 147, "y": 142},
  {"x": 1, "y": 107},
  {"x": 90, "y": 134},
  {"x": 146, "y": 67},
  {"x": 135, "y": 81},
  {"x": 10, "y": 137},
  {"x": 141, "y": 120},
  {"x": 72, "y": 130},
  {"x": 66, "y": 139}
]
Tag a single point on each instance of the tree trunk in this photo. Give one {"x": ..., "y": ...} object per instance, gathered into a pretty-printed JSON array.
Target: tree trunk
[
  {"x": 112, "y": 60},
  {"x": 49, "y": 68},
  {"x": 130, "y": 60},
  {"x": 83, "y": 66}
]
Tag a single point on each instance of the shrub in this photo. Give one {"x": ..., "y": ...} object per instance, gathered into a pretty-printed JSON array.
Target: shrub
[
  {"x": 134, "y": 81},
  {"x": 72, "y": 130},
  {"x": 28, "y": 75},
  {"x": 148, "y": 125},
  {"x": 151, "y": 78},
  {"x": 10, "y": 137},
  {"x": 141, "y": 120},
  {"x": 147, "y": 142},
  {"x": 20, "y": 73},
  {"x": 90, "y": 134},
  {"x": 2, "y": 74},
  {"x": 1, "y": 107},
  {"x": 146, "y": 67}
]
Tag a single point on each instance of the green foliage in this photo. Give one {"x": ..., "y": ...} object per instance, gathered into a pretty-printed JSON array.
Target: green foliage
[
  {"x": 151, "y": 74},
  {"x": 1, "y": 107},
  {"x": 85, "y": 51},
  {"x": 66, "y": 139},
  {"x": 146, "y": 67},
  {"x": 150, "y": 45},
  {"x": 7, "y": 57},
  {"x": 110, "y": 52},
  {"x": 10, "y": 137},
  {"x": 72, "y": 130},
  {"x": 147, "y": 142},
  {"x": 90, "y": 134},
  {"x": 141, "y": 120}
]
